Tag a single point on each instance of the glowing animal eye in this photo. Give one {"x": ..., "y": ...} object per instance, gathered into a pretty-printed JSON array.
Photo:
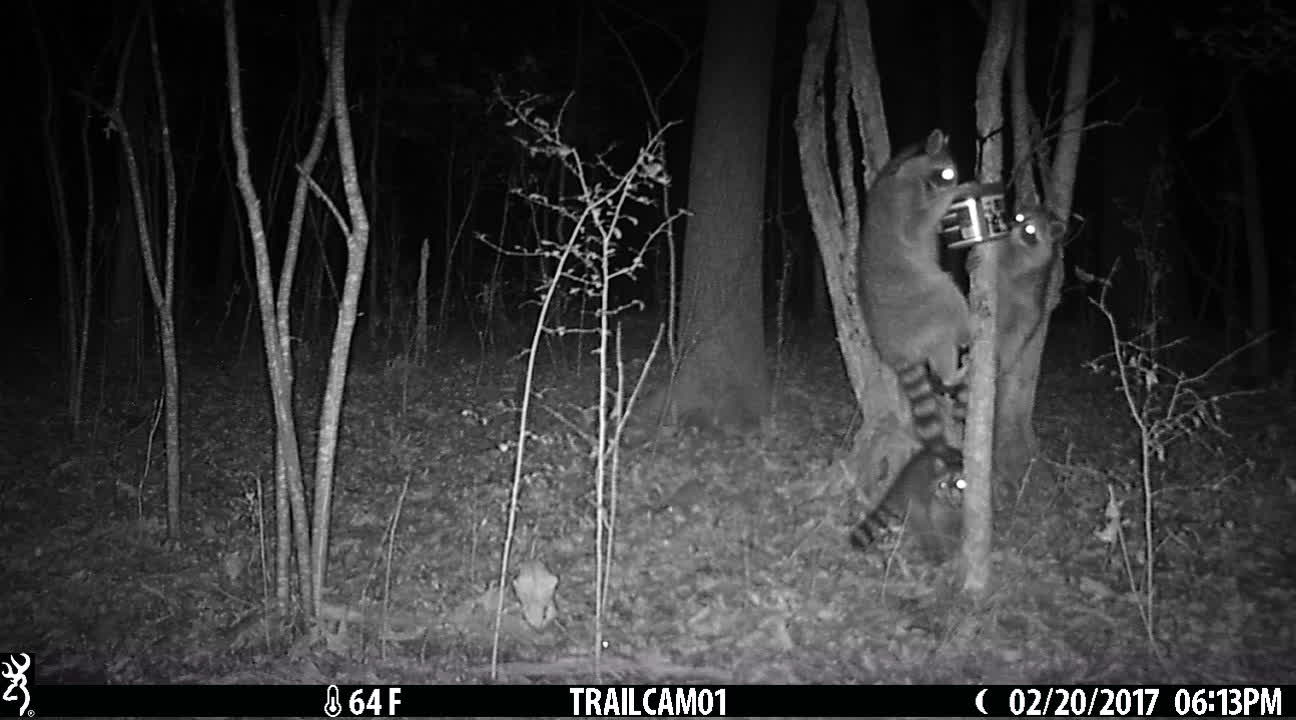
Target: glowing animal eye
[{"x": 947, "y": 174}]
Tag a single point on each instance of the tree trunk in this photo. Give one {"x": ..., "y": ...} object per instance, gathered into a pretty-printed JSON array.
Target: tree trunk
[
  {"x": 164, "y": 296},
  {"x": 982, "y": 267},
  {"x": 125, "y": 301},
  {"x": 1253, "y": 231},
  {"x": 161, "y": 284},
  {"x": 722, "y": 378},
  {"x": 1015, "y": 441},
  {"x": 357, "y": 240},
  {"x": 883, "y": 442},
  {"x": 69, "y": 304},
  {"x": 289, "y": 493}
]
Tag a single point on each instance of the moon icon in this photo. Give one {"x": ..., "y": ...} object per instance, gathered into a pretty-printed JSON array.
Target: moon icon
[{"x": 980, "y": 699}]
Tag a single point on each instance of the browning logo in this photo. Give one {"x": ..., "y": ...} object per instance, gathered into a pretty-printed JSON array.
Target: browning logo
[{"x": 16, "y": 673}]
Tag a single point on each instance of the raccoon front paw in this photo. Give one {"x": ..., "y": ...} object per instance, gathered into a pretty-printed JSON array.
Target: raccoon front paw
[
  {"x": 968, "y": 189},
  {"x": 953, "y": 384}
]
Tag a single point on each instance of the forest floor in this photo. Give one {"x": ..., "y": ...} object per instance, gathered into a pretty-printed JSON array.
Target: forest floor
[{"x": 730, "y": 562}]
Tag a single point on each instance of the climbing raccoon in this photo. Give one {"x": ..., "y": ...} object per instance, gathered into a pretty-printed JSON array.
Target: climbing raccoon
[
  {"x": 1024, "y": 264},
  {"x": 918, "y": 319},
  {"x": 915, "y": 312}
]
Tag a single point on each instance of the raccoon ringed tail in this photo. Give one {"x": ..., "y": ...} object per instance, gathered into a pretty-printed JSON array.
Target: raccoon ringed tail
[
  {"x": 916, "y": 383},
  {"x": 918, "y": 494},
  {"x": 893, "y": 508},
  {"x": 862, "y": 535}
]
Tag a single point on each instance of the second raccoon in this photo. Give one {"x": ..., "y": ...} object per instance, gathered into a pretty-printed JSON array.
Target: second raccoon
[{"x": 1024, "y": 263}]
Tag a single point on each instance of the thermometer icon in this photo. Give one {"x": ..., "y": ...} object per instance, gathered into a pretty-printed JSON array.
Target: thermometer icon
[{"x": 332, "y": 707}]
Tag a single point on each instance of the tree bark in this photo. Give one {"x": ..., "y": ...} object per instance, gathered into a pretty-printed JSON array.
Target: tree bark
[
  {"x": 69, "y": 304},
  {"x": 1015, "y": 441},
  {"x": 289, "y": 490},
  {"x": 161, "y": 287},
  {"x": 883, "y": 442},
  {"x": 1253, "y": 232},
  {"x": 165, "y": 300},
  {"x": 357, "y": 238},
  {"x": 723, "y": 380},
  {"x": 983, "y": 264}
]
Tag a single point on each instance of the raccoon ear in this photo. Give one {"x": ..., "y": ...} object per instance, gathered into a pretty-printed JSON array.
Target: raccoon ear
[{"x": 936, "y": 142}]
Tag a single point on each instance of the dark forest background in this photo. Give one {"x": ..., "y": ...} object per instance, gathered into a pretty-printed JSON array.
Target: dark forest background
[{"x": 728, "y": 563}]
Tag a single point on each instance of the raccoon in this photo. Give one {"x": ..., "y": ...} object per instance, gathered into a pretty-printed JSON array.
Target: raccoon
[
  {"x": 926, "y": 495},
  {"x": 926, "y": 500},
  {"x": 915, "y": 312},
  {"x": 1024, "y": 264},
  {"x": 918, "y": 319}
]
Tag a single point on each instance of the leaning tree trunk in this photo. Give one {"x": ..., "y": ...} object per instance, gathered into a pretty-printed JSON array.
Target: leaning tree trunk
[
  {"x": 883, "y": 442},
  {"x": 290, "y": 495},
  {"x": 722, "y": 379},
  {"x": 357, "y": 240},
  {"x": 161, "y": 288}
]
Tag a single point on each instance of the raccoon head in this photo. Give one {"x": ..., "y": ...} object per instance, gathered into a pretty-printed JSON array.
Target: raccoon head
[
  {"x": 932, "y": 165},
  {"x": 943, "y": 172},
  {"x": 1030, "y": 246},
  {"x": 1033, "y": 227},
  {"x": 949, "y": 488}
]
